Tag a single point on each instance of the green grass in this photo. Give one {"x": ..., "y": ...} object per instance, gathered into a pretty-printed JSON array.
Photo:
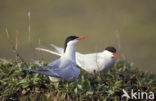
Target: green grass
[{"x": 16, "y": 84}]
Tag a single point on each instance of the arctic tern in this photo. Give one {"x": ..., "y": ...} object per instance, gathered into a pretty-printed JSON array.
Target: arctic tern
[{"x": 65, "y": 66}]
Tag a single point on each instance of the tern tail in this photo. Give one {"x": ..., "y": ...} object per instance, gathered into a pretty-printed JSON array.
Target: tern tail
[
  {"x": 58, "y": 49},
  {"x": 49, "y": 51}
]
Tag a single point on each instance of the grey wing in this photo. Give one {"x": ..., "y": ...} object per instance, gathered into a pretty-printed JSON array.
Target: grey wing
[
  {"x": 44, "y": 72},
  {"x": 70, "y": 72},
  {"x": 51, "y": 65},
  {"x": 54, "y": 64}
]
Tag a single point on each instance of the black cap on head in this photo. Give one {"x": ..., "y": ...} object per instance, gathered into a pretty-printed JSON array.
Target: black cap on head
[
  {"x": 69, "y": 38},
  {"x": 111, "y": 49}
]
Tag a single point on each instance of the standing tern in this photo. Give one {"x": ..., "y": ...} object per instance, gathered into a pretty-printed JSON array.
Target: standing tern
[
  {"x": 92, "y": 62},
  {"x": 65, "y": 66}
]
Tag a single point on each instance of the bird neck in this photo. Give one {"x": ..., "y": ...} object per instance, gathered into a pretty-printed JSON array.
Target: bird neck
[{"x": 70, "y": 52}]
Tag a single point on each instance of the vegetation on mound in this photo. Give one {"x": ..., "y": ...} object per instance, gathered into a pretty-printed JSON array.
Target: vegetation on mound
[{"x": 16, "y": 84}]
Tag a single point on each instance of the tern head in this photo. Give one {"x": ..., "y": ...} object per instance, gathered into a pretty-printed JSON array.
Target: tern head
[
  {"x": 113, "y": 51},
  {"x": 72, "y": 40}
]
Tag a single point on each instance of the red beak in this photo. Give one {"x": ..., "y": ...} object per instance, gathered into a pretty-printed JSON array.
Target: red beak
[
  {"x": 81, "y": 37},
  {"x": 115, "y": 55}
]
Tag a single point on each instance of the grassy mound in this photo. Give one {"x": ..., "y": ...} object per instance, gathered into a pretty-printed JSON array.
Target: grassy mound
[{"x": 16, "y": 84}]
